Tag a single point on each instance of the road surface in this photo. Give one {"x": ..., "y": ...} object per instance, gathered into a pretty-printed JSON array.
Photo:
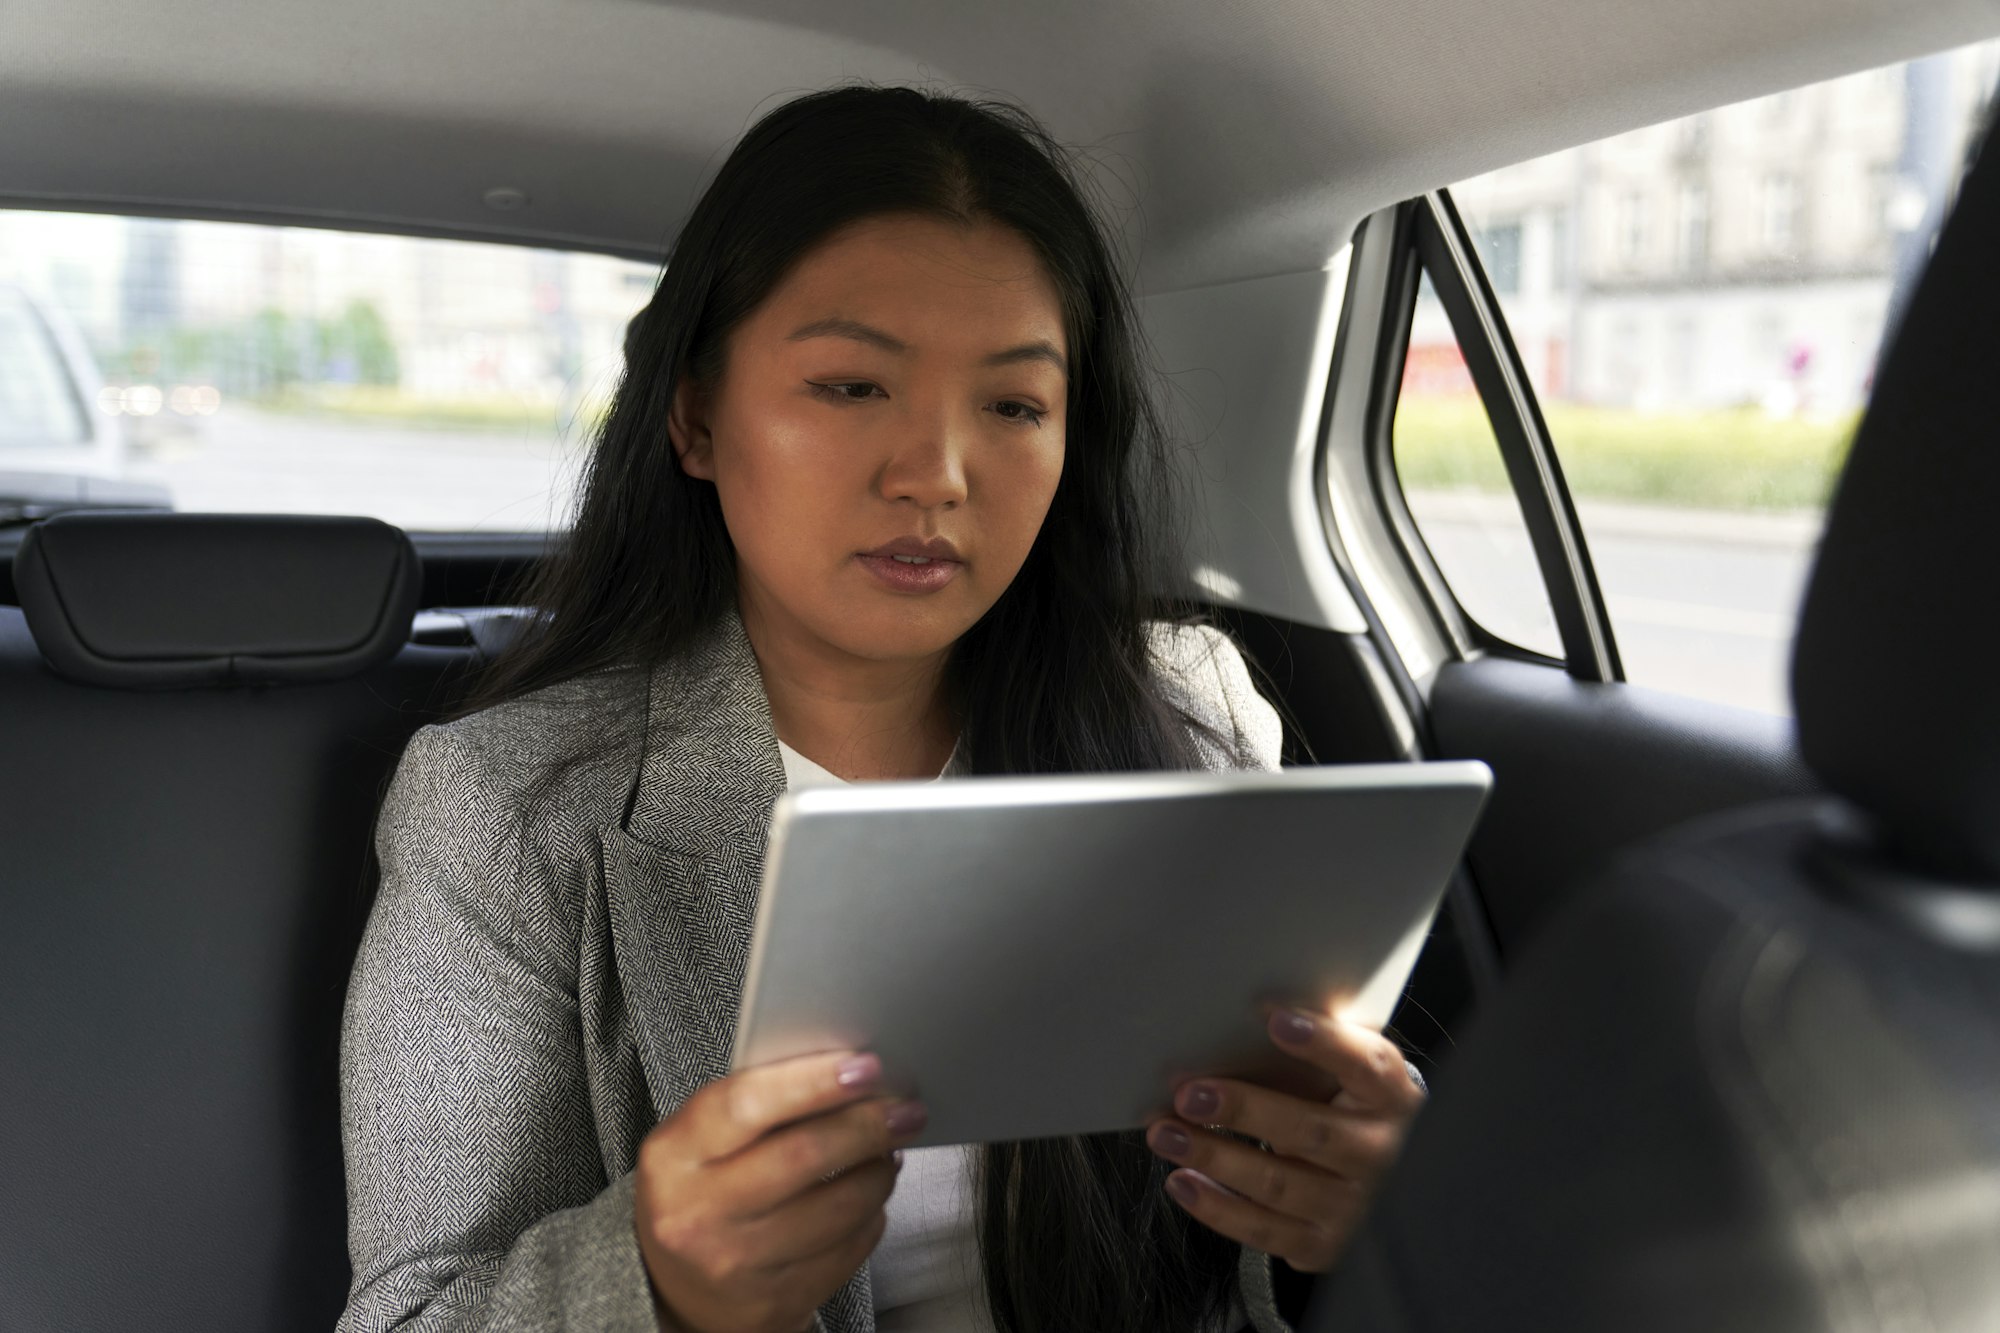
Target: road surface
[{"x": 1702, "y": 603}]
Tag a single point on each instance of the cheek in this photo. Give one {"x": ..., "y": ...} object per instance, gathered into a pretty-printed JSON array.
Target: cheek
[
  {"x": 777, "y": 477},
  {"x": 1019, "y": 493}
]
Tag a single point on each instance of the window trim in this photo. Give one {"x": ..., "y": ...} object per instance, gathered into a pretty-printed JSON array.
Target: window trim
[
  {"x": 1373, "y": 333},
  {"x": 1434, "y": 239},
  {"x": 1465, "y": 635}
]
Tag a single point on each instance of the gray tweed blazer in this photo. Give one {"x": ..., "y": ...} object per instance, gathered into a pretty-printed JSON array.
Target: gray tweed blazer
[{"x": 553, "y": 965}]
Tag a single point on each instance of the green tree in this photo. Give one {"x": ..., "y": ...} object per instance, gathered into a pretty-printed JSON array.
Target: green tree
[
  {"x": 357, "y": 347},
  {"x": 374, "y": 349},
  {"x": 274, "y": 350}
]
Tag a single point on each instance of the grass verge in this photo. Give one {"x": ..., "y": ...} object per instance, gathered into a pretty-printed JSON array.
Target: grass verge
[
  {"x": 491, "y": 414},
  {"x": 1738, "y": 459}
]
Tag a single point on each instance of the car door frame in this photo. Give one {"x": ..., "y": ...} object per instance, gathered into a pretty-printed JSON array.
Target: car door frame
[{"x": 1586, "y": 763}]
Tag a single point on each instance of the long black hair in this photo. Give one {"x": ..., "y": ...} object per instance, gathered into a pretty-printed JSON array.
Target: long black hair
[{"x": 1074, "y": 1234}]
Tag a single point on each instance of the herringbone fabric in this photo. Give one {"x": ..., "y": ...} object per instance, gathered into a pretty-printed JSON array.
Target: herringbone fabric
[{"x": 553, "y": 964}]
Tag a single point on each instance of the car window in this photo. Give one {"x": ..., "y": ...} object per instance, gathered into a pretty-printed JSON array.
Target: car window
[
  {"x": 1448, "y": 462},
  {"x": 1699, "y": 306},
  {"x": 41, "y": 402},
  {"x": 440, "y": 385}
]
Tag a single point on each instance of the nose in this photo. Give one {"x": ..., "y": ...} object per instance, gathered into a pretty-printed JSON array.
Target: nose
[{"x": 927, "y": 466}]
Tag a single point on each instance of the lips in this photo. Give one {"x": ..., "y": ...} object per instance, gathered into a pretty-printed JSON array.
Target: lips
[
  {"x": 917, "y": 549},
  {"x": 914, "y": 565}
]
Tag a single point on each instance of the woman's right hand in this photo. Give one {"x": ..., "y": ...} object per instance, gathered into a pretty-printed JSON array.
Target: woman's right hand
[{"x": 740, "y": 1227}]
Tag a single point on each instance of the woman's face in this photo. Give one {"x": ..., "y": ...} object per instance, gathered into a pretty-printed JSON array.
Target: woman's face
[{"x": 901, "y": 392}]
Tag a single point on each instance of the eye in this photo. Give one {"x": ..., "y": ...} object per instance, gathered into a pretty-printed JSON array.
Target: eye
[
  {"x": 845, "y": 391},
  {"x": 1009, "y": 410}
]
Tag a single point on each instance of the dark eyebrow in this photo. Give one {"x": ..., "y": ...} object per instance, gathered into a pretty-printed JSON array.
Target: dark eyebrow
[
  {"x": 838, "y": 327},
  {"x": 1034, "y": 351}
]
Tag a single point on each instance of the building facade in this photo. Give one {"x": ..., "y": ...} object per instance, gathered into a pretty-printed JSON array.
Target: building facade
[{"x": 1744, "y": 257}]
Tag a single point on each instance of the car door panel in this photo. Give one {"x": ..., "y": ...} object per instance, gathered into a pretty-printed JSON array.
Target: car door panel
[{"x": 1583, "y": 770}]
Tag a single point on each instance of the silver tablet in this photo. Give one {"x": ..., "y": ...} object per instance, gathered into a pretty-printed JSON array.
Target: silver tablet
[{"x": 1053, "y": 955}]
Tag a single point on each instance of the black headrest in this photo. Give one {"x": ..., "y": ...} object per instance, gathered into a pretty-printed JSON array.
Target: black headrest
[
  {"x": 174, "y": 601},
  {"x": 1894, "y": 674}
]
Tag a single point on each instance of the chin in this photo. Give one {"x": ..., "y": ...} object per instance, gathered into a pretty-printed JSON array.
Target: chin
[{"x": 903, "y": 629}]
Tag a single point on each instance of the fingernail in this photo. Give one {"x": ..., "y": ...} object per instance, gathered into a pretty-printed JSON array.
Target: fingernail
[
  {"x": 898, "y": 1156},
  {"x": 907, "y": 1118},
  {"x": 1292, "y": 1028},
  {"x": 858, "y": 1071},
  {"x": 1171, "y": 1141},
  {"x": 1199, "y": 1099},
  {"x": 1181, "y": 1185}
]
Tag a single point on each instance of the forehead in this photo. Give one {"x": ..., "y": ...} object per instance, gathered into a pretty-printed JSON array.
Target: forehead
[{"x": 934, "y": 284}]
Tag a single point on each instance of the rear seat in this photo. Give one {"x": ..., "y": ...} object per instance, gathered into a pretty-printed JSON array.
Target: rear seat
[{"x": 199, "y": 716}]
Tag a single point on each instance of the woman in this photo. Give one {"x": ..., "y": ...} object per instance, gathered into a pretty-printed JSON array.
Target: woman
[{"x": 879, "y": 497}]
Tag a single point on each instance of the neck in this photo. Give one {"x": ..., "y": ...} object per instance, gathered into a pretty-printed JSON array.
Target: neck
[{"x": 860, "y": 718}]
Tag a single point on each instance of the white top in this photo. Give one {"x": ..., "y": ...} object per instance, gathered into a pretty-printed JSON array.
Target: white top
[{"x": 925, "y": 1269}]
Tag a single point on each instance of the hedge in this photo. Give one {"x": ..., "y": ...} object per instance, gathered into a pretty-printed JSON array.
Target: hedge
[{"x": 1735, "y": 459}]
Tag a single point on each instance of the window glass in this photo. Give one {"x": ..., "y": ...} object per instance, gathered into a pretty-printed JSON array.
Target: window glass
[
  {"x": 40, "y": 406},
  {"x": 1448, "y": 463},
  {"x": 1700, "y": 306},
  {"x": 1500, "y": 252},
  {"x": 441, "y": 385}
]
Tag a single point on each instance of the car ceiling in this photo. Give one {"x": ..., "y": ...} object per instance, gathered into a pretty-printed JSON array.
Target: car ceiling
[{"x": 1256, "y": 132}]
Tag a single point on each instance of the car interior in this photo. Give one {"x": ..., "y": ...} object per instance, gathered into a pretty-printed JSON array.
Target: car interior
[{"x": 1707, "y": 1015}]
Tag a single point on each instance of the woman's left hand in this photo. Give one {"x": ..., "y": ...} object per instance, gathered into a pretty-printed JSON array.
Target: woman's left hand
[{"x": 1302, "y": 1200}]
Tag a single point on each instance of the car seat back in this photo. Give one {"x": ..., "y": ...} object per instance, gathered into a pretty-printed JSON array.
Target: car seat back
[{"x": 199, "y": 716}]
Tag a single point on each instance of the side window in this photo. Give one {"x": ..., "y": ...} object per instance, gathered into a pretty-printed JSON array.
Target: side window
[
  {"x": 1448, "y": 462},
  {"x": 1698, "y": 308}
]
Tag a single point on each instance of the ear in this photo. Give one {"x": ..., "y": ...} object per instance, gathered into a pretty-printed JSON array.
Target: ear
[{"x": 687, "y": 430}]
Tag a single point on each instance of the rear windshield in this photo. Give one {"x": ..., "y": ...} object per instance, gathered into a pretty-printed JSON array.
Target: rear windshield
[
  {"x": 41, "y": 403},
  {"x": 440, "y": 385}
]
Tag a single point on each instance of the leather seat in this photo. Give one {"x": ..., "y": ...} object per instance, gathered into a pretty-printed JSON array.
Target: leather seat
[
  {"x": 199, "y": 715},
  {"x": 1751, "y": 1081}
]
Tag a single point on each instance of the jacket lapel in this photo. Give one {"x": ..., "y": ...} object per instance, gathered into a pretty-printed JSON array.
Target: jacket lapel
[
  {"x": 682, "y": 873},
  {"x": 682, "y": 876}
]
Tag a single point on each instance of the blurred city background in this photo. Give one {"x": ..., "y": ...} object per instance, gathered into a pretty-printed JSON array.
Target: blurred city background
[{"x": 437, "y": 384}]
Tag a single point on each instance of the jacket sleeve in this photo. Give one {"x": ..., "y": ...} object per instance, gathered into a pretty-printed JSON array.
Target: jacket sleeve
[
  {"x": 477, "y": 1195},
  {"x": 1205, "y": 674}
]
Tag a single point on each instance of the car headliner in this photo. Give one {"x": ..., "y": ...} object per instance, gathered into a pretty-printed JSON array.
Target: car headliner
[{"x": 1256, "y": 132}]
